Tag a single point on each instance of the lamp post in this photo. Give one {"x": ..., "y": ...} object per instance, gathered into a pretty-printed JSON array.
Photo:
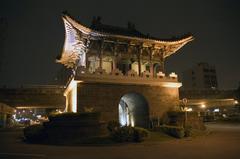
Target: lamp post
[
  {"x": 203, "y": 106},
  {"x": 236, "y": 103},
  {"x": 185, "y": 101}
]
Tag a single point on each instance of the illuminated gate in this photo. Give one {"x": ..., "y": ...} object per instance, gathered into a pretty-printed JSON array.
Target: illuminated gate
[{"x": 133, "y": 110}]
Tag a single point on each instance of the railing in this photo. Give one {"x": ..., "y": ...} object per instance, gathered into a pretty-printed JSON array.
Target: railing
[{"x": 131, "y": 77}]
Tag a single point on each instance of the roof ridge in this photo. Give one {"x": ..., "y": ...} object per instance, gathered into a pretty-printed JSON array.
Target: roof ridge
[{"x": 187, "y": 36}]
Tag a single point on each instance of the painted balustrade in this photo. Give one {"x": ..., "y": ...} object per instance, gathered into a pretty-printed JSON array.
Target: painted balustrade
[{"x": 131, "y": 77}]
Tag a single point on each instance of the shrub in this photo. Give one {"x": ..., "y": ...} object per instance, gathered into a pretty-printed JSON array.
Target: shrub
[
  {"x": 122, "y": 134},
  {"x": 113, "y": 125},
  {"x": 34, "y": 133},
  {"x": 174, "y": 131},
  {"x": 126, "y": 133},
  {"x": 188, "y": 131},
  {"x": 140, "y": 134}
]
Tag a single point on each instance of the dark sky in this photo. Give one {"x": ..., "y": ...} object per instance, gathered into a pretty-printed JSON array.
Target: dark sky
[{"x": 36, "y": 33}]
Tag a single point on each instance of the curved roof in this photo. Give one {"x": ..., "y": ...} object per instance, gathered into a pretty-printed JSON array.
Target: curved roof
[
  {"x": 113, "y": 31},
  {"x": 74, "y": 47}
]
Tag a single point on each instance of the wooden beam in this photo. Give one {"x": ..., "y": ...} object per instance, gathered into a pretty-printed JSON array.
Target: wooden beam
[
  {"x": 101, "y": 53},
  {"x": 140, "y": 50}
]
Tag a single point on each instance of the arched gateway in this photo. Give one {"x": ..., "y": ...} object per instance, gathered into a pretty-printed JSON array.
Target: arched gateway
[
  {"x": 109, "y": 62},
  {"x": 133, "y": 110}
]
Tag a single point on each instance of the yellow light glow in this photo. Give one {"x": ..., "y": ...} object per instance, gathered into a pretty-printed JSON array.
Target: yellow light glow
[
  {"x": 189, "y": 109},
  {"x": 236, "y": 102},
  {"x": 74, "y": 98},
  {"x": 72, "y": 88},
  {"x": 203, "y": 106},
  {"x": 172, "y": 84},
  {"x": 132, "y": 122}
]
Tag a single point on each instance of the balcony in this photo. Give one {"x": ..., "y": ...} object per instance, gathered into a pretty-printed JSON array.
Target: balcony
[{"x": 130, "y": 78}]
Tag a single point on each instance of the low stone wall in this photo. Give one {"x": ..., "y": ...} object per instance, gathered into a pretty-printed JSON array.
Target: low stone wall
[
  {"x": 75, "y": 126},
  {"x": 178, "y": 119}
]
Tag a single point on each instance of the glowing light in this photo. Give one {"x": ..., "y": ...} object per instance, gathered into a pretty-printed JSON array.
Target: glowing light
[
  {"x": 203, "y": 106},
  {"x": 122, "y": 116},
  {"x": 235, "y": 102},
  {"x": 161, "y": 74},
  {"x": 189, "y": 109},
  {"x": 132, "y": 122},
  {"x": 74, "y": 97},
  {"x": 172, "y": 84},
  {"x": 173, "y": 75},
  {"x": 125, "y": 116},
  {"x": 216, "y": 110},
  {"x": 59, "y": 111},
  {"x": 71, "y": 89}
]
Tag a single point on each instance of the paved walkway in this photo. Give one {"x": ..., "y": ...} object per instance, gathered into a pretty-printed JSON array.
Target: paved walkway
[{"x": 222, "y": 143}]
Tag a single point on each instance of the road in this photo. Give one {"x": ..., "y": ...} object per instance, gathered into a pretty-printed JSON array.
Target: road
[{"x": 222, "y": 143}]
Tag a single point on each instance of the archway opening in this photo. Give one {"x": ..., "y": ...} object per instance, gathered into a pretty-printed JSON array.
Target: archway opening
[{"x": 133, "y": 110}]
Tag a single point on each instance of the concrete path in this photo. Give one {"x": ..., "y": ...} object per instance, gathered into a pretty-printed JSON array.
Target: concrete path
[{"x": 222, "y": 143}]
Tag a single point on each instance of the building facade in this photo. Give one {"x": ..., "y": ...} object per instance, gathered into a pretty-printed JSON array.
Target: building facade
[
  {"x": 119, "y": 72},
  {"x": 212, "y": 104},
  {"x": 201, "y": 76},
  {"x": 5, "y": 114}
]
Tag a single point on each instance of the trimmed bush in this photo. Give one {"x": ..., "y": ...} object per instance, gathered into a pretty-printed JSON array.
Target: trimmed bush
[
  {"x": 188, "y": 131},
  {"x": 113, "y": 125},
  {"x": 123, "y": 134},
  {"x": 174, "y": 131},
  {"x": 34, "y": 133},
  {"x": 66, "y": 127},
  {"x": 140, "y": 134},
  {"x": 126, "y": 133}
]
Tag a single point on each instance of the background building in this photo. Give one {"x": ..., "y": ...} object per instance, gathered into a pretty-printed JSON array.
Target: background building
[
  {"x": 201, "y": 76},
  {"x": 5, "y": 114},
  {"x": 200, "y": 89},
  {"x": 212, "y": 104}
]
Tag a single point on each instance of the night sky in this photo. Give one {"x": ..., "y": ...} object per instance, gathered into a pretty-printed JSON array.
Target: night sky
[{"x": 35, "y": 34}]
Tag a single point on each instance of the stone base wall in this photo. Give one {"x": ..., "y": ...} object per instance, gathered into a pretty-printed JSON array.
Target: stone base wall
[
  {"x": 178, "y": 119},
  {"x": 106, "y": 97}
]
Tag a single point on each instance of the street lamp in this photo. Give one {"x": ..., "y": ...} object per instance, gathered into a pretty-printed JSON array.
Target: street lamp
[
  {"x": 185, "y": 101},
  {"x": 236, "y": 102},
  {"x": 203, "y": 106}
]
